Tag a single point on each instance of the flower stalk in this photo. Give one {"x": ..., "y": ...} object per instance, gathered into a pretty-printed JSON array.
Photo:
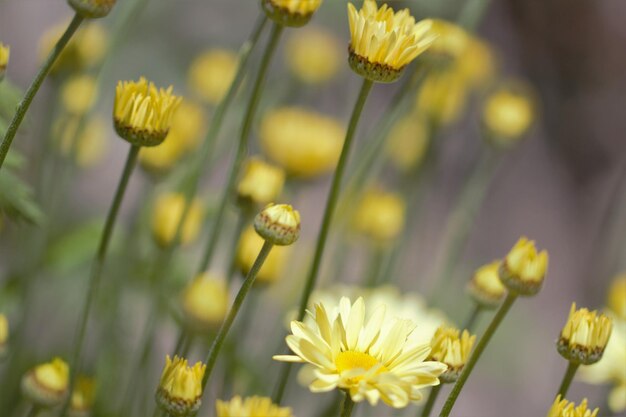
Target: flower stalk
[
  {"x": 473, "y": 317},
  {"x": 347, "y": 405},
  {"x": 568, "y": 378},
  {"x": 430, "y": 402}
]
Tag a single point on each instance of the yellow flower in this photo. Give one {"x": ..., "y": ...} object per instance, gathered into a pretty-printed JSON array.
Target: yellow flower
[
  {"x": 477, "y": 64},
  {"x": 485, "y": 286},
  {"x": 159, "y": 160},
  {"x": 211, "y": 74},
  {"x": 180, "y": 389},
  {"x": 142, "y": 113},
  {"x": 91, "y": 143},
  {"x": 278, "y": 224},
  {"x": 452, "y": 348},
  {"x": 383, "y": 42},
  {"x": 584, "y": 336},
  {"x": 380, "y": 215},
  {"x": 189, "y": 123},
  {"x": 205, "y": 302},
  {"x": 260, "y": 183},
  {"x": 442, "y": 97},
  {"x": 451, "y": 41},
  {"x": 78, "y": 94},
  {"x": 313, "y": 55},
  {"x": 250, "y": 244},
  {"x": 294, "y": 13},
  {"x": 5, "y": 53},
  {"x": 4, "y": 334},
  {"x": 303, "y": 142},
  {"x": 371, "y": 360},
  {"x": 169, "y": 208},
  {"x": 92, "y": 9},
  {"x": 46, "y": 384},
  {"x": 251, "y": 407},
  {"x": 617, "y": 297},
  {"x": 508, "y": 113},
  {"x": 524, "y": 269},
  {"x": 408, "y": 141},
  {"x": 83, "y": 397},
  {"x": 564, "y": 408},
  {"x": 85, "y": 50}
]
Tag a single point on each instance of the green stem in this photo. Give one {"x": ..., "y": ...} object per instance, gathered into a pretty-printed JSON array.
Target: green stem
[
  {"x": 230, "y": 318},
  {"x": 480, "y": 347},
  {"x": 242, "y": 148},
  {"x": 377, "y": 259},
  {"x": 36, "y": 84},
  {"x": 472, "y": 13},
  {"x": 432, "y": 399},
  {"x": 568, "y": 378},
  {"x": 97, "y": 267},
  {"x": 346, "y": 406},
  {"x": 470, "y": 322},
  {"x": 33, "y": 411},
  {"x": 331, "y": 203}
]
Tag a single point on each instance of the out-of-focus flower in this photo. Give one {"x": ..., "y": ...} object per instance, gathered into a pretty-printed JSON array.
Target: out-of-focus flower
[
  {"x": 408, "y": 141},
  {"x": 87, "y": 146},
  {"x": 250, "y": 244},
  {"x": 508, "y": 113},
  {"x": 452, "y": 348},
  {"x": 180, "y": 390},
  {"x": 564, "y": 408},
  {"x": 383, "y": 42},
  {"x": 142, "y": 113},
  {"x": 251, "y": 407},
  {"x": 370, "y": 360},
  {"x": 260, "y": 183},
  {"x": 303, "y": 142},
  {"x": 46, "y": 384},
  {"x": 451, "y": 40},
  {"x": 4, "y": 334},
  {"x": 92, "y": 9},
  {"x": 380, "y": 215},
  {"x": 584, "y": 336},
  {"x": 477, "y": 64},
  {"x": 485, "y": 287},
  {"x": 313, "y": 55},
  {"x": 83, "y": 397},
  {"x": 442, "y": 97},
  {"x": 5, "y": 54},
  {"x": 211, "y": 74},
  {"x": 168, "y": 210},
  {"x": 524, "y": 269},
  {"x": 294, "y": 13},
  {"x": 617, "y": 297},
  {"x": 278, "y": 224},
  {"x": 85, "y": 50},
  {"x": 78, "y": 94},
  {"x": 205, "y": 302},
  {"x": 188, "y": 121}
]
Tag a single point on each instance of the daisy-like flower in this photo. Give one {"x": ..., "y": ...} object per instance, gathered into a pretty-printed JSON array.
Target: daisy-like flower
[
  {"x": 251, "y": 407},
  {"x": 5, "y": 53},
  {"x": 584, "y": 336},
  {"x": 508, "y": 113},
  {"x": 453, "y": 348},
  {"x": 46, "y": 384},
  {"x": 294, "y": 13},
  {"x": 260, "y": 183},
  {"x": 92, "y": 9},
  {"x": 564, "y": 408},
  {"x": 278, "y": 224},
  {"x": 524, "y": 268},
  {"x": 485, "y": 287},
  {"x": 383, "y": 42},
  {"x": 371, "y": 360},
  {"x": 380, "y": 215},
  {"x": 180, "y": 389}
]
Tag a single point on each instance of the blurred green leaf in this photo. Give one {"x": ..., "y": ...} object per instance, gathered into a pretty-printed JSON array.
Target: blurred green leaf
[
  {"x": 75, "y": 248},
  {"x": 17, "y": 199}
]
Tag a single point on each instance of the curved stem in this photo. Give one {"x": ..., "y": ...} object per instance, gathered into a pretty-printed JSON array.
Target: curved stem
[
  {"x": 230, "y": 318},
  {"x": 480, "y": 347},
  {"x": 470, "y": 322},
  {"x": 567, "y": 378},
  {"x": 35, "y": 85},
  {"x": 242, "y": 148},
  {"x": 432, "y": 399},
  {"x": 346, "y": 406}
]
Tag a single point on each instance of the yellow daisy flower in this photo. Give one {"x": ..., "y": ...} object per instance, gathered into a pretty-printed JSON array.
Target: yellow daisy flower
[
  {"x": 251, "y": 407},
  {"x": 564, "y": 408}
]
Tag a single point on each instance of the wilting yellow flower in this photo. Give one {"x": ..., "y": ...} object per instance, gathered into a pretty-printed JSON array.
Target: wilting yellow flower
[
  {"x": 251, "y": 407},
  {"x": 617, "y": 297},
  {"x": 452, "y": 348},
  {"x": 485, "y": 286},
  {"x": 78, "y": 94},
  {"x": 477, "y": 64},
  {"x": 211, "y": 74},
  {"x": 451, "y": 41},
  {"x": 92, "y": 9},
  {"x": 87, "y": 146},
  {"x": 294, "y": 13},
  {"x": 4, "y": 334},
  {"x": 303, "y": 142},
  {"x": 313, "y": 55},
  {"x": 83, "y": 397},
  {"x": 86, "y": 49},
  {"x": 584, "y": 336},
  {"x": 442, "y": 97},
  {"x": 508, "y": 113},
  {"x": 278, "y": 224},
  {"x": 260, "y": 183},
  {"x": 380, "y": 215},
  {"x": 180, "y": 389},
  {"x": 371, "y": 360},
  {"x": 5, "y": 53},
  {"x": 524, "y": 269},
  {"x": 205, "y": 302},
  {"x": 168, "y": 210},
  {"x": 250, "y": 244},
  {"x": 383, "y": 42},
  {"x": 408, "y": 141},
  {"x": 46, "y": 384},
  {"x": 564, "y": 408}
]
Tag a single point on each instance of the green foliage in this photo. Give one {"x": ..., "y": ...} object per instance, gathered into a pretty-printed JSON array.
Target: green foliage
[{"x": 17, "y": 199}]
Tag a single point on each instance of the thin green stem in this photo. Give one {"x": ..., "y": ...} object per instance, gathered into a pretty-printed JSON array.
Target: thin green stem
[
  {"x": 242, "y": 148},
  {"x": 480, "y": 347},
  {"x": 377, "y": 259},
  {"x": 34, "y": 87},
  {"x": 432, "y": 399},
  {"x": 230, "y": 318},
  {"x": 33, "y": 411},
  {"x": 568, "y": 378},
  {"x": 347, "y": 406},
  {"x": 472, "y": 13},
  {"x": 470, "y": 322},
  {"x": 329, "y": 211}
]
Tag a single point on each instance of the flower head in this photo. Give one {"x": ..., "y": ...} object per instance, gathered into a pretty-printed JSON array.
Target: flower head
[
  {"x": 383, "y": 42},
  {"x": 46, "y": 384},
  {"x": 380, "y": 215},
  {"x": 168, "y": 210},
  {"x": 83, "y": 397},
  {"x": 92, "y": 9},
  {"x": 250, "y": 244},
  {"x": 211, "y": 74},
  {"x": 260, "y": 183},
  {"x": 508, "y": 113},
  {"x": 205, "y": 302},
  {"x": 251, "y": 407},
  {"x": 408, "y": 141},
  {"x": 584, "y": 336},
  {"x": 617, "y": 297},
  {"x": 564, "y": 408},
  {"x": 143, "y": 113},
  {"x": 524, "y": 269},
  {"x": 371, "y": 360},
  {"x": 278, "y": 224},
  {"x": 78, "y": 94},
  {"x": 294, "y": 13},
  {"x": 180, "y": 389},
  {"x": 313, "y": 55},
  {"x": 477, "y": 64},
  {"x": 485, "y": 286},
  {"x": 5, "y": 54},
  {"x": 453, "y": 348},
  {"x": 4, "y": 334}
]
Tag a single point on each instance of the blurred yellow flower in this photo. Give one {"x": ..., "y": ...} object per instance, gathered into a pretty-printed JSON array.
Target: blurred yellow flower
[
  {"x": 92, "y": 9},
  {"x": 78, "y": 94},
  {"x": 205, "y": 302},
  {"x": 85, "y": 50},
  {"x": 278, "y": 224},
  {"x": 485, "y": 286},
  {"x": 251, "y": 407},
  {"x": 508, "y": 113},
  {"x": 584, "y": 336},
  {"x": 383, "y": 42},
  {"x": 250, "y": 244},
  {"x": 83, "y": 397},
  {"x": 477, "y": 64},
  {"x": 408, "y": 141},
  {"x": 524, "y": 269},
  {"x": 452, "y": 348},
  {"x": 380, "y": 215},
  {"x": 451, "y": 39},
  {"x": 4, "y": 334},
  {"x": 303, "y": 142},
  {"x": 564, "y": 408},
  {"x": 159, "y": 160},
  {"x": 87, "y": 146},
  {"x": 371, "y": 360},
  {"x": 180, "y": 389},
  {"x": 46, "y": 384},
  {"x": 293, "y": 13},
  {"x": 5, "y": 53},
  {"x": 189, "y": 123},
  {"x": 211, "y": 74},
  {"x": 168, "y": 210},
  {"x": 313, "y": 55},
  {"x": 260, "y": 183},
  {"x": 617, "y": 297},
  {"x": 442, "y": 97}
]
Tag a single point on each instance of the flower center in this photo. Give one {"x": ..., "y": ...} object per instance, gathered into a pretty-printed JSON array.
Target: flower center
[{"x": 349, "y": 360}]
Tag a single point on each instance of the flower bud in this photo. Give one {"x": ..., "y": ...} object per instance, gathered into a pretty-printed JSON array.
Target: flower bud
[
  {"x": 92, "y": 9},
  {"x": 278, "y": 224},
  {"x": 485, "y": 287},
  {"x": 524, "y": 269},
  {"x": 584, "y": 336},
  {"x": 261, "y": 183},
  {"x": 83, "y": 397},
  {"x": 313, "y": 55},
  {"x": 205, "y": 302},
  {"x": 46, "y": 384},
  {"x": 4, "y": 335},
  {"x": 294, "y": 13},
  {"x": 508, "y": 113},
  {"x": 250, "y": 244},
  {"x": 211, "y": 74},
  {"x": 380, "y": 215},
  {"x": 5, "y": 53},
  {"x": 564, "y": 408},
  {"x": 251, "y": 407},
  {"x": 452, "y": 348},
  {"x": 180, "y": 389},
  {"x": 617, "y": 297},
  {"x": 168, "y": 210}
]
